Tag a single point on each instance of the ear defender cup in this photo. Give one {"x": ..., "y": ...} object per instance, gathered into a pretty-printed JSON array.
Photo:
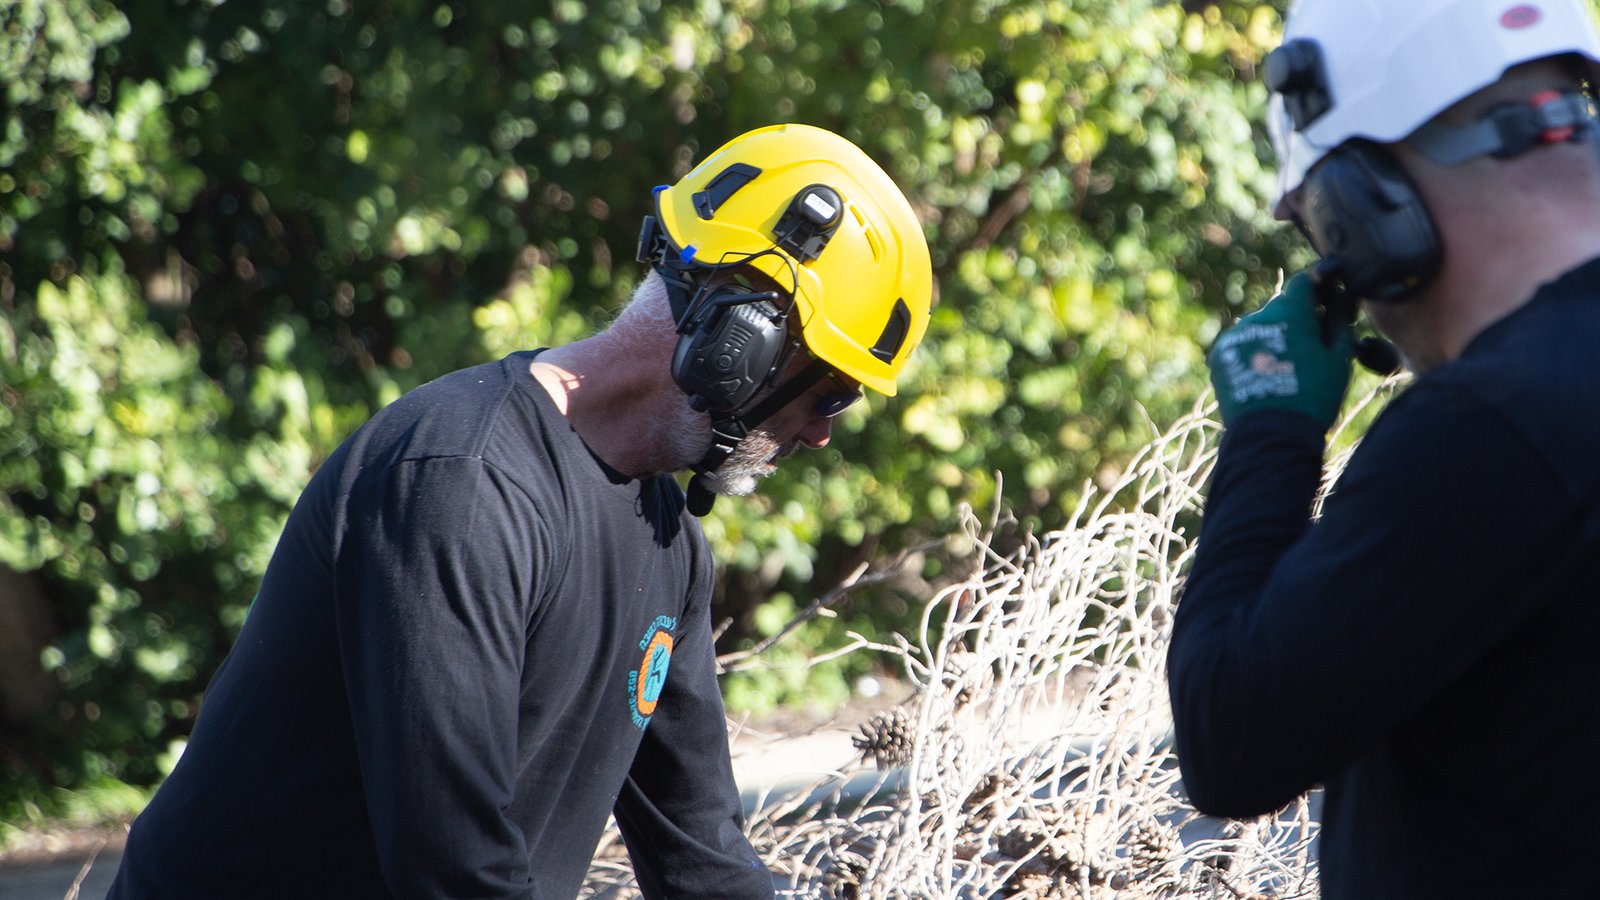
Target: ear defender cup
[
  {"x": 728, "y": 351},
  {"x": 1360, "y": 208}
]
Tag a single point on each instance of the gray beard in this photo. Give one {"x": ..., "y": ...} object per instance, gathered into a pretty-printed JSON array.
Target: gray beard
[
  {"x": 750, "y": 462},
  {"x": 688, "y": 433}
]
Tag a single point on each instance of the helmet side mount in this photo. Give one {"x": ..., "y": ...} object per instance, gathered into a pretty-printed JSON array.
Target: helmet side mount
[
  {"x": 809, "y": 222},
  {"x": 1298, "y": 72}
]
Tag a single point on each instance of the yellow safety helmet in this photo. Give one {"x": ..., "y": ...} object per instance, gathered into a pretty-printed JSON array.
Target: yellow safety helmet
[{"x": 810, "y": 210}]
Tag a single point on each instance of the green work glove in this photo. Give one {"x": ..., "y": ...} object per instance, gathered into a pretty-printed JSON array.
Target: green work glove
[{"x": 1278, "y": 358}]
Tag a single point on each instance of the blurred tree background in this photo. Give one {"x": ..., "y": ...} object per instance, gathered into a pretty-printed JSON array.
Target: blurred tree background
[{"x": 231, "y": 231}]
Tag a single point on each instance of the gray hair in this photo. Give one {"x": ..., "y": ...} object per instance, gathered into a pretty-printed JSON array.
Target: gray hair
[
  {"x": 680, "y": 433},
  {"x": 647, "y": 316}
]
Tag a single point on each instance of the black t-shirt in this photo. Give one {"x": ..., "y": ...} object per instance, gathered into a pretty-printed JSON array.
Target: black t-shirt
[
  {"x": 1425, "y": 649},
  {"x": 457, "y": 666}
]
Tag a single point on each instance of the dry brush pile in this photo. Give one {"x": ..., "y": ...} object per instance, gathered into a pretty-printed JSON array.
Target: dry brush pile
[{"x": 1033, "y": 757}]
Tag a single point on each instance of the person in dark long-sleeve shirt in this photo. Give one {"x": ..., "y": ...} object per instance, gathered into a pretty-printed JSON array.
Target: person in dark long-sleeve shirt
[
  {"x": 1422, "y": 648},
  {"x": 486, "y": 627}
]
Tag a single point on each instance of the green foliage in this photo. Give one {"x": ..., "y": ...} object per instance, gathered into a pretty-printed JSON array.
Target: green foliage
[
  {"x": 231, "y": 231},
  {"x": 785, "y": 675},
  {"x": 116, "y": 485},
  {"x": 103, "y": 803}
]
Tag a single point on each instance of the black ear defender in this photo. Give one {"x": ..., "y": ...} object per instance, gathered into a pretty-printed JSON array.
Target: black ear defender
[
  {"x": 731, "y": 342},
  {"x": 1366, "y": 219},
  {"x": 1359, "y": 207}
]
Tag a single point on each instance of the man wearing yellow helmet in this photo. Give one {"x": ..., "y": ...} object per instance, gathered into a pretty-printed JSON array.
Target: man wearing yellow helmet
[
  {"x": 458, "y": 662},
  {"x": 845, "y": 277}
]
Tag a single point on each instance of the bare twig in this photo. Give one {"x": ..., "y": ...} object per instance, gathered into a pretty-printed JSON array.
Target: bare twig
[
  {"x": 77, "y": 883},
  {"x": 740, "y": 660}
]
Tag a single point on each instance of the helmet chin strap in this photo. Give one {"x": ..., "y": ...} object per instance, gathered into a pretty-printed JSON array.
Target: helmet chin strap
[{"x": 729, "y": 428}]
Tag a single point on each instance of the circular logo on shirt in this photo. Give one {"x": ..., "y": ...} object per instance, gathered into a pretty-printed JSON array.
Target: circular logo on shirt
[
  {"x": 653, "y": 673},
  {"x": 645, "y": 682}
]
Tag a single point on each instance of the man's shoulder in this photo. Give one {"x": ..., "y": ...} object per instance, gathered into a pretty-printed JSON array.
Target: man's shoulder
[
  {"x": 460, "y": 413},
  {"x": 463, "y": 391},
  {"x": 1541, "y": 358},
  {"x": 1532, "y": 387}
]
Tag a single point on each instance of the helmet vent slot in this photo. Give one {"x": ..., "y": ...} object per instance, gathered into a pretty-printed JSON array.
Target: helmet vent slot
[
  {"x": 894, "y": 332},
  {"x": 725, "y": 185},
  {"x": 874, "y": 242}
]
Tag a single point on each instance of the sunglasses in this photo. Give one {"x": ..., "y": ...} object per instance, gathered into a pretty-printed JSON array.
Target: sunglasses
[{"x": 833, "y": 403}]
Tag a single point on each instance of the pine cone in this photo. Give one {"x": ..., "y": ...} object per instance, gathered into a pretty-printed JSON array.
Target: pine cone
[
  {"x": 842, "y": 880},
  {"x": 967, "y": 676},
  {"x": 980, "y": 803},
  {"x": 1022, "y": 840},
  {"x": 1153, "y": 844},
  {"x": 1053, "y": 838},
  {"x": 1038, "y": 886},
  {"x": 886, "y": 739}
]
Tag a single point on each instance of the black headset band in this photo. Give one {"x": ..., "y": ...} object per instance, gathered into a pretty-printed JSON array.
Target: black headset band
[{"x": 1509, "y": 130}]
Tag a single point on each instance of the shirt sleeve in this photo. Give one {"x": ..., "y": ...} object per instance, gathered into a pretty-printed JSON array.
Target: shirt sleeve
[
  {"x": 679, "y": 810},
  {"x": 434, "y": 574},
  {"x": 1298, "y": 646}
]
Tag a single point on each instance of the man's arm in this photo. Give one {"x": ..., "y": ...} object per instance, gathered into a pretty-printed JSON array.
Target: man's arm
[
  {"x": 1296, "y": 646},
  {"x": 434, "y": 575},
  {"x": 1258, "y": 506},
  {"x": 680, "y": 811}
]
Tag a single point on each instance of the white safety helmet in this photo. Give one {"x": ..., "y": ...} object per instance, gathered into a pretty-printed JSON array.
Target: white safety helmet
[{"x": 1391, "y": 65}]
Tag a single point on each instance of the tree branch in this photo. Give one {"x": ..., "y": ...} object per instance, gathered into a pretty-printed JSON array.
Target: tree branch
[{"x": 739, "y": 660}]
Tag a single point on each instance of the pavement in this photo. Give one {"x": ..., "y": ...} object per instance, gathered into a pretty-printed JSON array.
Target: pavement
[
  {"x": 774, "y": 759},
  {"x": 55, "y": 880}
]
